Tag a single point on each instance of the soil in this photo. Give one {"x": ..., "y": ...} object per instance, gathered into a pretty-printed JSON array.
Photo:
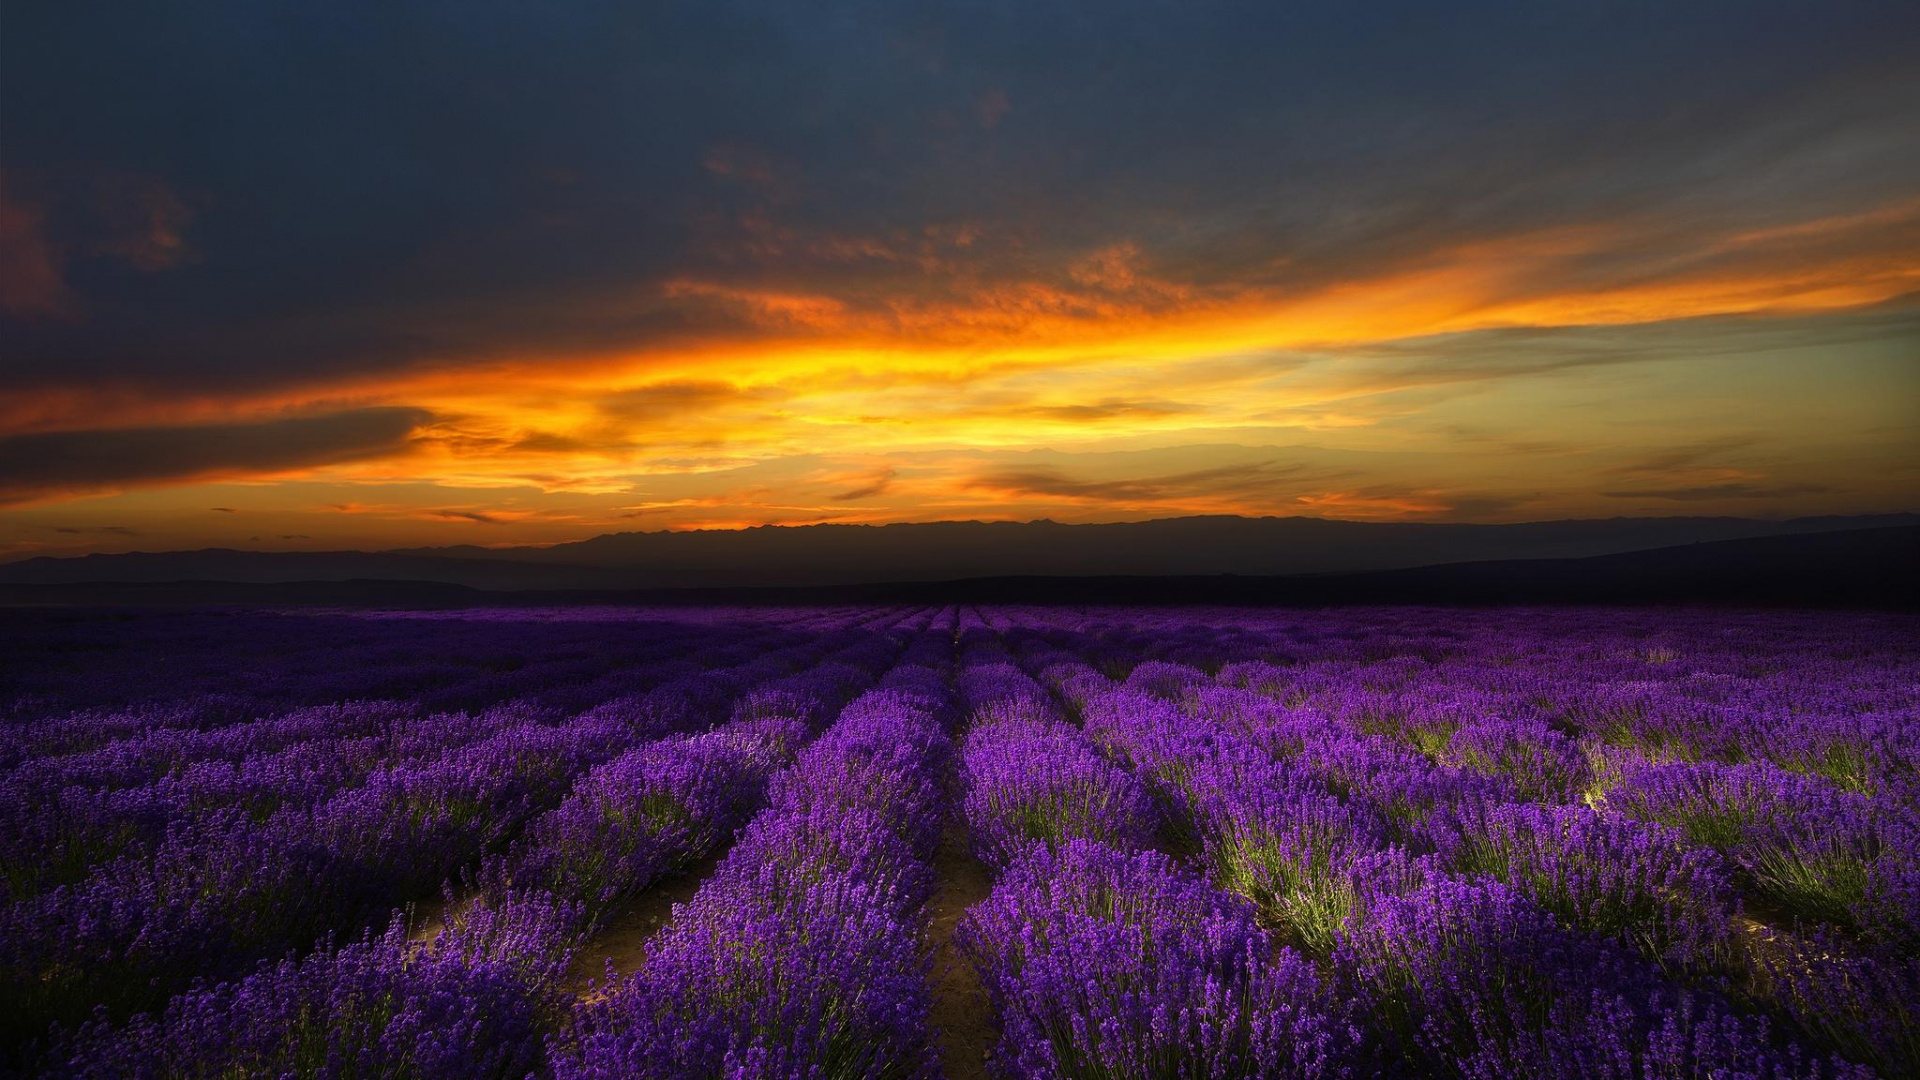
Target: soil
[
  {"x": 624, "y": 938},
  {"x": 426, "y": 917},
  {"x": 963, "y": 1022}
]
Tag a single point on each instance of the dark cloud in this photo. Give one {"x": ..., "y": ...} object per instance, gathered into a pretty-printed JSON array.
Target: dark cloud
[
  {"x": 1708, "y": 492},
  {"x": 224, "y": 509},
  {"x": 344, "y": 207},
  {"x": 1485, "y": 507},
  {"x": 666, "y": 399},
  {"x": 49, "y": 463},
  {"x": 549, "y": 442},
  {"x": 141, "y": 222},
  {"x": 1682, "y": 458},
  {"x": 32, "y": 285},
  {"x": 1237, "y": 479},
  {"x": 102, "y": 530},
  {"x": 478, "y": 516},
  {"x": 1110, "y": 409},
  {"x": 879, "y": 483}
]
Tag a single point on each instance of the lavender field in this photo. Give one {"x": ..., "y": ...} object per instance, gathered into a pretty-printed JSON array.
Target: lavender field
[{"x": 1014, "y": 842}]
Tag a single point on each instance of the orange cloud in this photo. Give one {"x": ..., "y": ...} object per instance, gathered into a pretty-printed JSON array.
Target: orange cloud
[
  {"x": 780, "y": 310},
  {"x": 1363, "y": 506}
]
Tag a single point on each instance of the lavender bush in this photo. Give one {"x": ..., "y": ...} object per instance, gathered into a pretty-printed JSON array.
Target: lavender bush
[
  {"x": 1606, "y": 874},
  {"x": 1038, "y": 781},
  {"x": 1106, "y": 963}
]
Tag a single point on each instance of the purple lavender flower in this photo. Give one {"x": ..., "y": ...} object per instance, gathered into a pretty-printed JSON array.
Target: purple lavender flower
[
  {"x": 1103, "y": 963},
  {"x": 883, "y": 755},
  {"x": 1543, "y": 764},
  {"x": 647, "y": 813},
  {"x": 1862, "y": 1003},
  {"x": 1603, "y": 873},
  {"x": 826, "y": 981},
  {"x": 1474, "y": 979},
  {"x": 1032, "y": 782},
  {"x": 1396, "y": 792},
  {"x": 474, "y": 1002},
  {"x": 1815, "y": 851}
]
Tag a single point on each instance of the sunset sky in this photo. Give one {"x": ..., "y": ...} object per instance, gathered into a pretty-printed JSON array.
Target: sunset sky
[{"x": 329, "y": 275}]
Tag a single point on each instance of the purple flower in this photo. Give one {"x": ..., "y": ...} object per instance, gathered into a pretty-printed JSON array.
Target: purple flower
[
  {"x": 1031, "y": 781},
  {"x": 1105, "y": 963},
  {"x": 474, "y": 1002},
  {"x": 1813, "y": 850},
  {"x": 1607, "y": 874}
]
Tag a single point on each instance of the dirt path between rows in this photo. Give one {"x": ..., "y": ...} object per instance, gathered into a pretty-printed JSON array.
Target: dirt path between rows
[
  {"x": 623, "y": 940},
  {"x": 963, "y": 1022}
]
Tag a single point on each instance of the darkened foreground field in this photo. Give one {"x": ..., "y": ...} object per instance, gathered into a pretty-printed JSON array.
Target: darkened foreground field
[{"x": 1031, "y": 842}]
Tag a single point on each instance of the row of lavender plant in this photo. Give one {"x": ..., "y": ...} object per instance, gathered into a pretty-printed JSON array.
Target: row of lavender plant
[
  {"x": 667, "y": 804},
  {"x": 1832, "y": 872},
  {"x": 198, "y": 672},
  {"x": 1323, "y": 871},
  {"x": 61, "y": 815},
  {"x": 800, "y": 956},
  {"x": 1596, "y": 873},
  {"x": 479, "y": 998},
  {"x": 1100, "y": 956},
  {"x": 222, "y": 890},
  {"x": 670, "y": 803}
]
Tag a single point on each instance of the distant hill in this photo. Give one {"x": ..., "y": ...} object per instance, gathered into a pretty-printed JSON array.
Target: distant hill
[
  {"x": 266, "y": 567},
  {"x": 814, "y": 555},
  {"x": 1873, "y": 567}
]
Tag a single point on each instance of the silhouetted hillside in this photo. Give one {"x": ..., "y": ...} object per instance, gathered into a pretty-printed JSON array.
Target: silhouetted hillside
[
  {"x": 265, "y": 567},
  {"x": 1868, "y": 568},
  {"x": 840, "y": 555}
]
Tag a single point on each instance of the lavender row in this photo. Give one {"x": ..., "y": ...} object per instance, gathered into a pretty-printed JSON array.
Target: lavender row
[
  {"x": 665, "y": 805},
  {"x": 480, "y": 998},
  {"x": 1102, "y": 962},
  {"x": 92, "y": 809},
  {"x": 153, "y": 740},
  {"x": 497, "y": 966},
  {"x": 1852, "y": 862},
  {"x": 1324, "y": 871},
  {"x": 1026, "y": 777},
  {"x": 1806, "y": 847},
  {"x": 800, "y": 955},
  {"x": 66, "y": 814},
  {"x": 475, "y": 1001},
  {"x": 1099, "y": 956},
  {"x": 223, "y": 889},
  {"x": 80, "y": 683},
  {"x": 1678, "y": 859}
]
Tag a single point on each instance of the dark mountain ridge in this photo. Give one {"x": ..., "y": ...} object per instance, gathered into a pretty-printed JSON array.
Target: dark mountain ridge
[
  {"x": 845, "y": 555},
  {"x": 1857, "y": 568}
]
